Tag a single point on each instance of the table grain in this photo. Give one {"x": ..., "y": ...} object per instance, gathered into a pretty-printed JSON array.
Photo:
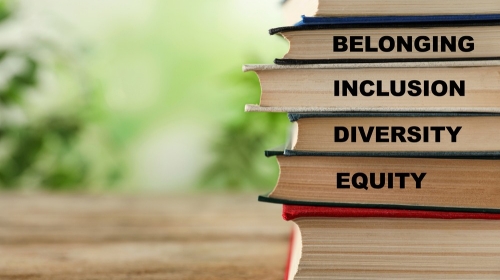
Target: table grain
[{"x": 181, "y": 236}]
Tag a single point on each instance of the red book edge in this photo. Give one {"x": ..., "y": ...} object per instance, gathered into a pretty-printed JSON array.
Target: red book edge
[
  {"x": 294, "y": 253},
  {"x": 289, "y": 258},
  {"x": 291, "y": 212}
]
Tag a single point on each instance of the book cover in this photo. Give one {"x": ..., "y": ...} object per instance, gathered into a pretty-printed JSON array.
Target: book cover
[{"x": 397, "y": 19}]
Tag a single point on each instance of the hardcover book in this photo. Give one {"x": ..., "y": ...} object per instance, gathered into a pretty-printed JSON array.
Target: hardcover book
[
  {"x": 390, "y": 41},
  {"x": 361, "y": 243},
  {"x": 398, "y": 133},
  {"x": 458, "y": 182},
  {"x": 465, "y": 86}
]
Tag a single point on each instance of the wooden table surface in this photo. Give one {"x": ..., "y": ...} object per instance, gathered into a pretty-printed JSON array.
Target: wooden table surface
[{"x": 141, "y": 237}]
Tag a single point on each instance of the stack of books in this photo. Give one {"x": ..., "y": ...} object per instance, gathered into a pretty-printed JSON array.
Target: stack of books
[{"x": 392, "y": 167}]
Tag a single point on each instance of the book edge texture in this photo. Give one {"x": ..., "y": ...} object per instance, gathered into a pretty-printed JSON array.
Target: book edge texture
[
  {"x": 473, "y": 62},
  {"x": 257, "y": 108}
]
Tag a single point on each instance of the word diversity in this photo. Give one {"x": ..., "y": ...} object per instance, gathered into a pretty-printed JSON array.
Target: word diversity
[{"x": 395, "y": 134}]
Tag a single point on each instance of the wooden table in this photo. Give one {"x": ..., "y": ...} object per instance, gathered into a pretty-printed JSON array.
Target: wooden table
[{"x": 141, "y": 237}]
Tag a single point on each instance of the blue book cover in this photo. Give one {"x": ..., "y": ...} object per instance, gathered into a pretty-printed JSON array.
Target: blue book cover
[{"x": 395, "y": 19}]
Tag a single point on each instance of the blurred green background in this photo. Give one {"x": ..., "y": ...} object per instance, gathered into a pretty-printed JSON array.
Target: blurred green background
[{"x": 136, "y": 95}]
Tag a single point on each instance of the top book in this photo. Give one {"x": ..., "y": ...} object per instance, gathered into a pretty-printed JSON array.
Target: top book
[{"x": 293, "y": 9}]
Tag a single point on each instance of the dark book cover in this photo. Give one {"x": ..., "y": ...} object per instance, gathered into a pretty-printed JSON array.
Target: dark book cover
[
  {"x": 370, "y": 25},
  {"x": 405, "y": 154},
  {"x": 266, "y": 198},
  {"x": 293, "y": 117},
  {"x": 396, "y": 19}
]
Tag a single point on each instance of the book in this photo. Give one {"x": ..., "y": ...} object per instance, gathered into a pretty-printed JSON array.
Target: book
[
  {"x": 390, "y": 42},
  {"x": 406, "y": 133},
  {"x": 392, "y": 169},
  {"x": 468, "y": 182},
  {"x": 453, "y": 86},
  {"x": 293, "y": 9},
  {"x": 361, "y": 243}
]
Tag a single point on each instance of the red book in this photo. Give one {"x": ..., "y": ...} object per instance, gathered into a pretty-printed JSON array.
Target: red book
[{"x": 372, "y": 243}]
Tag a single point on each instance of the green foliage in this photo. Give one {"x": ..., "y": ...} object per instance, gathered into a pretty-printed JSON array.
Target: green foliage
[
  {"x": 4, "y": 9},
  {"x": 30, "y": 142},
  {"x": 113, "y": 100},
  {"x": 239, "y": 151},
  {"x": 42, "y": 150}
]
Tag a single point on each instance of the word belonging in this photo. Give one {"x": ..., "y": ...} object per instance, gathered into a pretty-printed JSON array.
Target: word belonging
[{"x": 408, "y": 43}]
